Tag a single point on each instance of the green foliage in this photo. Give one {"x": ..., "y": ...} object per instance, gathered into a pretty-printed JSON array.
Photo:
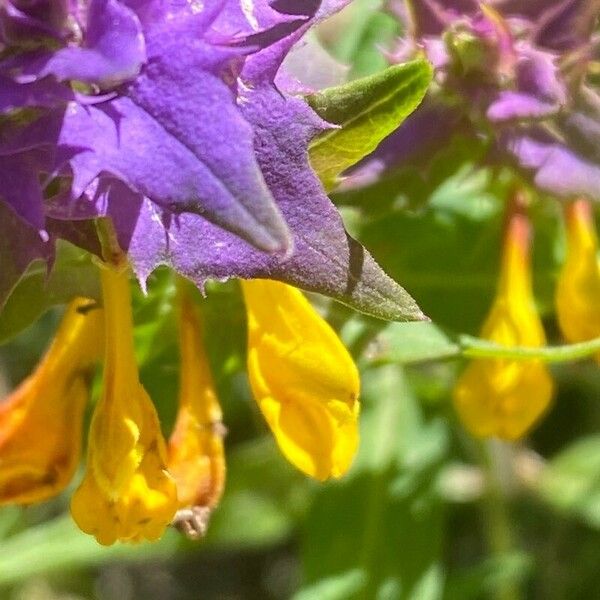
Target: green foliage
[
  {"x": 413, "y": 518},
  {"x": 366, "y": 32},
  {"x": 378, "y": 532},
  {"x": 367, "y": 110},
  {"x": 73, "y": 274},
  {"x": 571, "y": 481}
]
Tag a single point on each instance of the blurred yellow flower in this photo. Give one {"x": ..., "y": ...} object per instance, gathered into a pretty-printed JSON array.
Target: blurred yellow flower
[
  {"x": 127, "y": 493},
  {"x": 41, "y": 421},
  {"x": 578, "y": 289},
  {"x": 303, "y": 379},
  {"x": 502, "y": 397},
  {"x": 196, "y": 453}
]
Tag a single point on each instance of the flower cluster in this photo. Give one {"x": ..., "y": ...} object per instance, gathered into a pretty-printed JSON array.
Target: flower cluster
[
  {"x": 136, "y": 483},
  {"x": 502, "y": 397},
  {"x": 517, "y": 75},
  {"x": 152, "y": 132}
]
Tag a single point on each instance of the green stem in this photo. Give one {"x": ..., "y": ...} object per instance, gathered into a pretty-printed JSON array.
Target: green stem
[
  {"x": 498, "y": 527},
  {"x": 111, "y": 251},
  {"x": 476, "y": 348}
]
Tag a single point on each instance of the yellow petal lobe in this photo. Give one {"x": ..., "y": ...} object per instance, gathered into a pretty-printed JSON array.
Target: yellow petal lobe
[
  {"x": 127, "y": 493},
  {"x": 578, "y": 287},
  {"x": 41, "y": 421},
  {"x": 303, "y": 378},
  {"x": 196, "y": 453},
  {"x": 502, "y": 397}
]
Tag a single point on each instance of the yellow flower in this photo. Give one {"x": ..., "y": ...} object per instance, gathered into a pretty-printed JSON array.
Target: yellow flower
[
  {"x": 196, "y": 453},
  {"x": 134, "y": 486},
  {"x": 502, "y": 397},
  {"x": 41, "y": 421},
  {"x": 578, "y": 290},
  {"x": 303, "y": 379},
  {"x": 126, "y": 493}
]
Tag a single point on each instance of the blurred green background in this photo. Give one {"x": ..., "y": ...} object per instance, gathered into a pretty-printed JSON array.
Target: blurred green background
[{"x": 426, "y": 512}]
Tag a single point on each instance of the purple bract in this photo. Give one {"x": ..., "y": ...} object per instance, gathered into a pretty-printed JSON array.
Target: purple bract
[
  {"x": 512, "y": 73},
  {"x": 165, "y": 116}
]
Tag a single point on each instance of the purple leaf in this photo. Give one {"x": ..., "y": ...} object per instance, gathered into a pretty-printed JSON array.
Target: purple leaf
[
  {"x": 518, "y": 105},
  {"x": 20, "y": 187},
  {"x": 185, "y": 162},
  {"x": 325, "y": 258}
]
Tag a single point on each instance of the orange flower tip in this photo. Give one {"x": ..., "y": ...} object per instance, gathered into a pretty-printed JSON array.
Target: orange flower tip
[
  {"x": 580, "y": 209},
  {"x": 578, "y": 287},
  {"x": 41, "y": 421},
  {"x": 518, "y": 228},
  {"x": 499, "y": 397},
  {"x": 196, "y": 455}
]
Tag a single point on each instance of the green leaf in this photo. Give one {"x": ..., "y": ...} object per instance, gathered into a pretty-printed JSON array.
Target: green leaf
[
  {"x": 73, "y": 274},
  {"x": 367, "y": 110},
  {"x": 264, "y": 498},
  {"x": 379, "y": 530},
  {"x": 488, "y": 577},
  {"x": 571, "y": 481},
  {"x": 337, "y": 587},
  {"x": 58, "y": 545},
  {"x": 359, "y": 33}
]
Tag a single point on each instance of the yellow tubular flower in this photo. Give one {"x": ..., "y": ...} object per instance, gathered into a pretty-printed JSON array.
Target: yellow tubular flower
[
  {"x": 126, "y": 493},
  {"x": 578, "y": 290},
  {"x": 303, "y": 379},
  {"x": 196, "y": 453},
  {"x": 501, "y": 397},
  {"x": 41, "y": 421}
]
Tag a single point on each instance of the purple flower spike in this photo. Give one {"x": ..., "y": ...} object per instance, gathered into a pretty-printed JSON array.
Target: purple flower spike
[
  {"x": 168, "y": 133},
  {"x": 511, "y": 73}
]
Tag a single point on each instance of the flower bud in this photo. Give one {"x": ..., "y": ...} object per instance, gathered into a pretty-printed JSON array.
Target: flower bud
[
  {"x": 196, "y": 453},
  {"x": 578, "y": 288}
]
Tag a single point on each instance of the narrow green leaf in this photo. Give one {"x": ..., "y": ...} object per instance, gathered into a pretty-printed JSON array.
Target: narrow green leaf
[
  {"x": 58, "y": 545},
  {"x": 337, "y": 587},
  {"x": 367, "y": 110}
]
